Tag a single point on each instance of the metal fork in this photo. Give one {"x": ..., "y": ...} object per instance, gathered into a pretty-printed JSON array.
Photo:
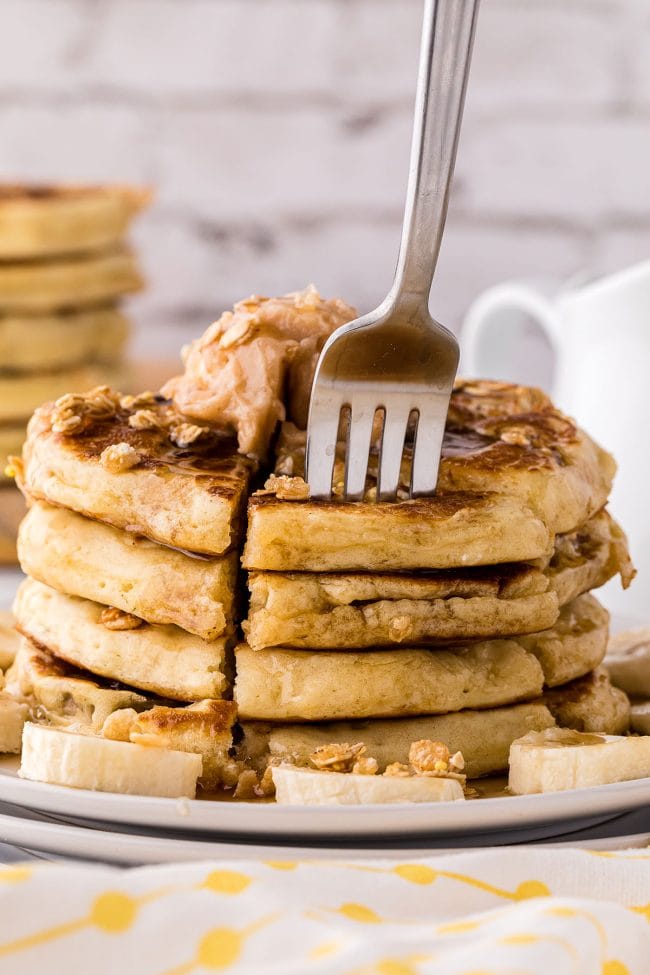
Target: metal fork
[{"x": 397, "y": 359}]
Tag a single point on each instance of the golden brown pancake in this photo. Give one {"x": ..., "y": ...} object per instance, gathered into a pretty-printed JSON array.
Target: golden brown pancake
[
  {"x": 134, "y": 463},
  {"x": 42, "y": 343},
  {"x": 296, "y": 685},
  {"x": 39, "y": 287},
  {"x": 590, "y": 703},
  {"x": 87, "y": 558},
  {"x": 514, "y": 473},
  {"x": 359, "y": 610},
  {"x": 483, "y": 737},
  {"x": 62, "y": 695},
  {"x": 46, "y": 221},
  {"x": 162, "y": 660}
]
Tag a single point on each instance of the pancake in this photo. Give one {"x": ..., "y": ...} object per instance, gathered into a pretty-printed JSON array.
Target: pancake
[
  {"x": 576, "y": 644},
  {"x": 62, "y": 695},
  {"x": 21, "y": 394},
  {"x": 484, "y": 737},
  {"x": 81, "y": 557},
  {"x": 588, "y": 558},
  {"x": 293, "y": 685},
  {"x": 38, "y": 343},
  {"x": 357, "y": 610},
  {"x": 189, "y": 496},
  {"x": 590, "y": 703},
  {"x": 514, "y": 473},
  {"x": 354, "y": 612},
  {"x": 162, "y": 660},
  {"x": 39, "y": 287},
  {"x": 44, "y": 221}
]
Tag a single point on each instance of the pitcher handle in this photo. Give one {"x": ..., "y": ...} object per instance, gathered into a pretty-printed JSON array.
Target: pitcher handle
[{"x": 486, "y": 320}]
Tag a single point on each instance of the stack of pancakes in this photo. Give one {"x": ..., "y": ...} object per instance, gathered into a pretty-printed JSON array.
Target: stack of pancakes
[
  {"x": 131, "y": 548},
  {"x": 464, "y": 617},
  {"x": 63, "y": 269}
]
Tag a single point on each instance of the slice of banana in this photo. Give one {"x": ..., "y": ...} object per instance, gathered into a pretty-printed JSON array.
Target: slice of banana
[
  {"x": 640, "y": 717},
  {"x": 13, "y": 715},
  {"x": 558, "y": 759},
  {"x": 310, "y": 787},
  {"x": 85, "y": 762},
  {"x": 628, "y": 661}
]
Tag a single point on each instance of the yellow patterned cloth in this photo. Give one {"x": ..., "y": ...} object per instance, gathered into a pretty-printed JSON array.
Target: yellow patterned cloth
[{"x": 504, "y": 912}]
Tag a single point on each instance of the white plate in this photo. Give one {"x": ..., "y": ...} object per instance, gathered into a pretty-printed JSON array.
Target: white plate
[
  {"x": 514, "y": 818},
  {"x": 38, "y": 835}
]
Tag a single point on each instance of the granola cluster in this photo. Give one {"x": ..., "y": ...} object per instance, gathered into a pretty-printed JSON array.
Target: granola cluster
[
  {"x": 76, "y": 412},
  {"x": 426, "y": 758},
  {"x": 116, "y": 619},
  {"x": 119, "y": 457}
]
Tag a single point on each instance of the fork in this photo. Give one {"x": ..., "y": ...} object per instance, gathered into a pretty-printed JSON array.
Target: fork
[{"x": 397, "y": 359}]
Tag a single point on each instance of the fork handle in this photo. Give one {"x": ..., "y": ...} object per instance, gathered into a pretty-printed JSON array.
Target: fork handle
[{"x": 445, "y": 53}]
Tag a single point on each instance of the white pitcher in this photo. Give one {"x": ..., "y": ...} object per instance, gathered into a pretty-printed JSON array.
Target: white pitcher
[{"x": 599, "y": 332}]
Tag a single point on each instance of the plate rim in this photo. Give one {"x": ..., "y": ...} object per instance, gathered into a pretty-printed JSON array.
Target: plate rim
[{"x": 342, "y": 822}]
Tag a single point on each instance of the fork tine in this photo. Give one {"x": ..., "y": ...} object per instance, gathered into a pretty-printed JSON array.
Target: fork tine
[
  {"x": 322, "y": 434},
  {"x": 357, "y": 453},
  {"x": 428, "y": 444},
  {"x": 392, "y": 448}
]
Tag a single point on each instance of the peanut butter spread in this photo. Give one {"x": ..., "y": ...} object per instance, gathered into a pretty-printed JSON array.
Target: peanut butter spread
[{"x": 255, "y": 365}]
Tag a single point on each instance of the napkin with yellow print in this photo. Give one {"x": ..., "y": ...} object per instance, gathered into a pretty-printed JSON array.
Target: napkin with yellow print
[{"x": 520, "y": 911}]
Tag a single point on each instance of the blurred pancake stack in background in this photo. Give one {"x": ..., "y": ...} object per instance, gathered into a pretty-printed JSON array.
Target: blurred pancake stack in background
[{"x": 64, "y": 269}]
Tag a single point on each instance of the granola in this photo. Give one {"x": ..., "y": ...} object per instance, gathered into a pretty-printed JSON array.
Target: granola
[
  {"x": 119, "y": 457},
  {"x": 116, "y": 619},
  {"x": 337, "y": 757},
  {"x": 75, "y": 412}
]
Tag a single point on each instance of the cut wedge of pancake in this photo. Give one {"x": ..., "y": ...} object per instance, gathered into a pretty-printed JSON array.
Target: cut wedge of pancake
[
  {"x": 358, "y": 610},
  {"x": 440, "y": 532},
  {"x": 63, "y": 695},
  {"x": 21, "y": 394},
  {"x": 514, "y": 473},
  {"x": 381, "y": 622},
  {"x": 163, "y": 660},
  {"x": 87, "y": 558},
  {"x": 39, "y": 287},
  {"x": 44, "y": 221},
  {"x": 483, "y": 737},
  {"x": 294, "y": 685},
  {"x": 38, "y": 343},
  {"x": 135, "y": 464},
  {"x": 590, "y": 703}
]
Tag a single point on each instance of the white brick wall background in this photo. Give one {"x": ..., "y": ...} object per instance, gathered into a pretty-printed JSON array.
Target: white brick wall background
[{"x": 277, "y": 132}]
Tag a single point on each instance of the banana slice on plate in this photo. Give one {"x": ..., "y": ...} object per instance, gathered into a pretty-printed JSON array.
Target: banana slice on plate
[
  {"x": 311, "y": 787},
  {"x": 85, "y": 762},
  {"x": 558, "y": 759},
  {"x": 628, "y": 661}
]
